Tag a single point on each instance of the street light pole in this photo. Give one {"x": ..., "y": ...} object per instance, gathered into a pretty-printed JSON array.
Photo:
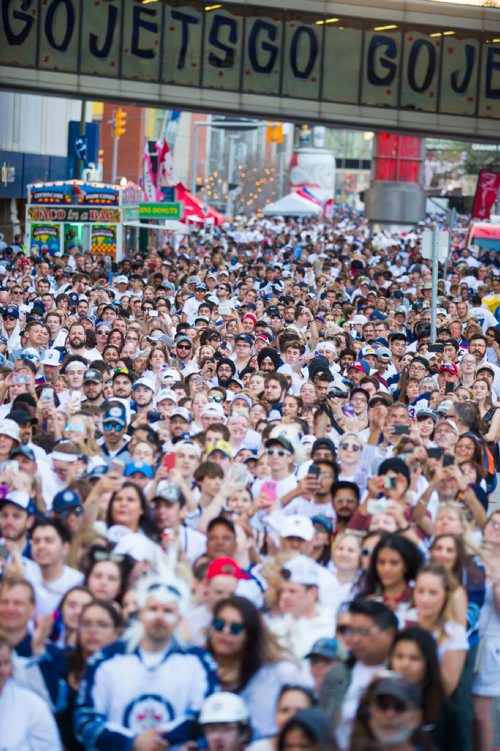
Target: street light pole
[
  {"x": 114, "y": 169},
  {"x": 435, "y": 277}
]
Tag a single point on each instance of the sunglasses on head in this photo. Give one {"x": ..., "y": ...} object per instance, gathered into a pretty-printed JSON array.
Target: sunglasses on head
[
  {"x": 103, "y": 555},
  {"x": 235, "y": 629}
]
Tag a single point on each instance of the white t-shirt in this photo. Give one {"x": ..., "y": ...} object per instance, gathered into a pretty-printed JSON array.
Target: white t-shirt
[
  {"x": 48, "y": 596},
  {"x": 26, "y": 721}
]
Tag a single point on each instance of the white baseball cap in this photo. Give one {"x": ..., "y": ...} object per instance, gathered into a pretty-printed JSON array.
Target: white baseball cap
[
  {"x": 51, "y": 357},
  {"x": 223, "y": 706},
  {"x": 10, "y": 429},
  {"x": 166, "y": 394},
  {"x": 302, "y": 570},
  {"x": 297, "y": 526}
]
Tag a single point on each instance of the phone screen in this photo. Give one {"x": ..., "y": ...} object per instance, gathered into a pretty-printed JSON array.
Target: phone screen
[
  {"x": 313, "y": 470},
  {"x": 169, "y": 461}
]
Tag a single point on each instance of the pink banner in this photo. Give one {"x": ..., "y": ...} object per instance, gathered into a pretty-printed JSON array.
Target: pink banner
[{"x": 488, "y": 185}]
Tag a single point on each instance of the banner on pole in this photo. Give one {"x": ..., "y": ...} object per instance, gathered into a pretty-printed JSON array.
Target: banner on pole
[{"x": 488, "y": 185}]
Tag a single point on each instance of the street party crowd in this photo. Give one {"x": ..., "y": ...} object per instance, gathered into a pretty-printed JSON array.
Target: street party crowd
[{"x": 246, "y": 500}]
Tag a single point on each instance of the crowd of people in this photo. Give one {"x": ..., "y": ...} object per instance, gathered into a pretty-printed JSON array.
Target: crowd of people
[{"x": 245, "y": 501}]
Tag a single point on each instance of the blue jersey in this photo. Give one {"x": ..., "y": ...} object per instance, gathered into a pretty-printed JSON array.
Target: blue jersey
[{"x": 123, "y": 694}]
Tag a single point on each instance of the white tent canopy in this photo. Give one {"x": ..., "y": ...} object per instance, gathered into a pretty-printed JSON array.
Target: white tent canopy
[{"x": 292, "y": 205}]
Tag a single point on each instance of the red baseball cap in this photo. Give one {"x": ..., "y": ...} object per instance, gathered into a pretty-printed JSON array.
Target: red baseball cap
[
  {"x": 225, "y": 567},
  {"x": 449, "y": 367}
]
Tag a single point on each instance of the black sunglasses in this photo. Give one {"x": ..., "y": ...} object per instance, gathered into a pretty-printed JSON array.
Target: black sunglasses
[{"x": 235, "y": 629}]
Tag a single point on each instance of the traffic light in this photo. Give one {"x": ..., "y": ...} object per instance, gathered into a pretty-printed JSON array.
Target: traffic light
[
  {"x": 120, "y": 122},
  {"x": 274, "y": 133}
]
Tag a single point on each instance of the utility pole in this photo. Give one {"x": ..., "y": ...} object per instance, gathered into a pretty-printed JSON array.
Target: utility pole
[
  {"x": 435, "y": 277},
  {"x": 83, "y": 117}
]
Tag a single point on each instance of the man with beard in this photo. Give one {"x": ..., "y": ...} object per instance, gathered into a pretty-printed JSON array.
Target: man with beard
[
  {"x": 122, "y": 385},
  {"x": 395, "y": 714},
  {"x": 76, "y": 341},
  {"x": 16, "y": 520},
  {"x": 225, "y": 371},
  {"x": 128, "y": 696},
  {"x": 92, "y": 387},
  {"x": 345, "y": 501}
]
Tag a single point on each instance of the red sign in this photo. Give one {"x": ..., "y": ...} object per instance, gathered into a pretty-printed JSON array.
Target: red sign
[
  {"x": 488, "y": 185},
  {"x": 73, "y": 214}
]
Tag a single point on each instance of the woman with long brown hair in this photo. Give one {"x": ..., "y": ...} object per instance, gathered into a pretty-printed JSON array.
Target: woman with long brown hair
[{"x": 249, "y": 660}]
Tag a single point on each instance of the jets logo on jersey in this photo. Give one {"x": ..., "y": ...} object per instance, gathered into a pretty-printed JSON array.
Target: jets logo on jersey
[{"x": 146, "y": 712}]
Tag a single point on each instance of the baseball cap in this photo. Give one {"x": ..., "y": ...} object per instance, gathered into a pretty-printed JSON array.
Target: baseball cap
[
  {"x": 225, "y": 567},
  {"x": 139, "y": 467},
  {"x": 213, "y": 410},
  {"x": 24, "y": 451},
  {"x": 21, "y": 417},
  {"x": 166, "y": 394},
  {"x": 123, "y": 371},
  {"x": 11, "y": 310},
  {"x": 448, "y": 367},
  {"x": 358, "y": 365},
  {"x": 383, "y": 353},
  {"x": 116, "y": 413},
  {"x": 19, "y": 498},
  {"x": 421, "y": 414},
  {"x": 302, "y": 570},
  {"x": 187, "y": 443},
  {"x": 282, "y": 441},
  {"x": 399, "y": 688},
  {"x": 223, "y": 446},
  {"x": 181, "y": 412},
  {"x": 93, "y": 376},
  {"x": 144, "y": 381},
  {"x": 10, "y": 428},
  {"x": 326, "y": 648},
  {"x": 65, "y": 500},
  {"x": 121, "y": 279},
  {"x": 51, "y": 357},
  {"x": 297, "y": 525}
]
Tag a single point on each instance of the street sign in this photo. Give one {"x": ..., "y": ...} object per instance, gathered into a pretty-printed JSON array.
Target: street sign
[
  {"x": 419, "y": 66},
  {"x": 73, "y": 214},
  {"x": 443, "y": 244},
  {"x": 165, "y": 210}
]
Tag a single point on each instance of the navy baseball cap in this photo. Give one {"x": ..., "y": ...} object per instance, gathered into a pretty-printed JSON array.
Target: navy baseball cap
[
  {"x": 65, "y": 500},
  {"x": 11, "y": 310}
]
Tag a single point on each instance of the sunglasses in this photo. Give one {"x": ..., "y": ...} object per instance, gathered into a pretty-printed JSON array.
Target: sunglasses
[
  {"x": 9, "y": 318},
  {"x": 183, "y": 346},
  {"x": 390, "y": 702},
  {"x": 217, "y": 399},
  {"x": 75, "y": 428},
  {"x": 235, "y": 629},
  {"x": 76, "y": 510},
  {"x": 366, "y": 551},
  {"x": 109, "y": 426},
  {"x": 277, "y": 452},
  {"x": 350, "y": 446}
]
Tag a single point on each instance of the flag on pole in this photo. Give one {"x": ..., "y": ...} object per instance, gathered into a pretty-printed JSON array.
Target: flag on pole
[
  {"x": 165, "y": 174},
  {"x": 488, "y": 187},
  {"x": 149, "y": 187}
]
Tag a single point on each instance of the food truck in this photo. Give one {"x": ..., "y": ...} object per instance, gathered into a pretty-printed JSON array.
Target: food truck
[{"x": 96, "y": 217}]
